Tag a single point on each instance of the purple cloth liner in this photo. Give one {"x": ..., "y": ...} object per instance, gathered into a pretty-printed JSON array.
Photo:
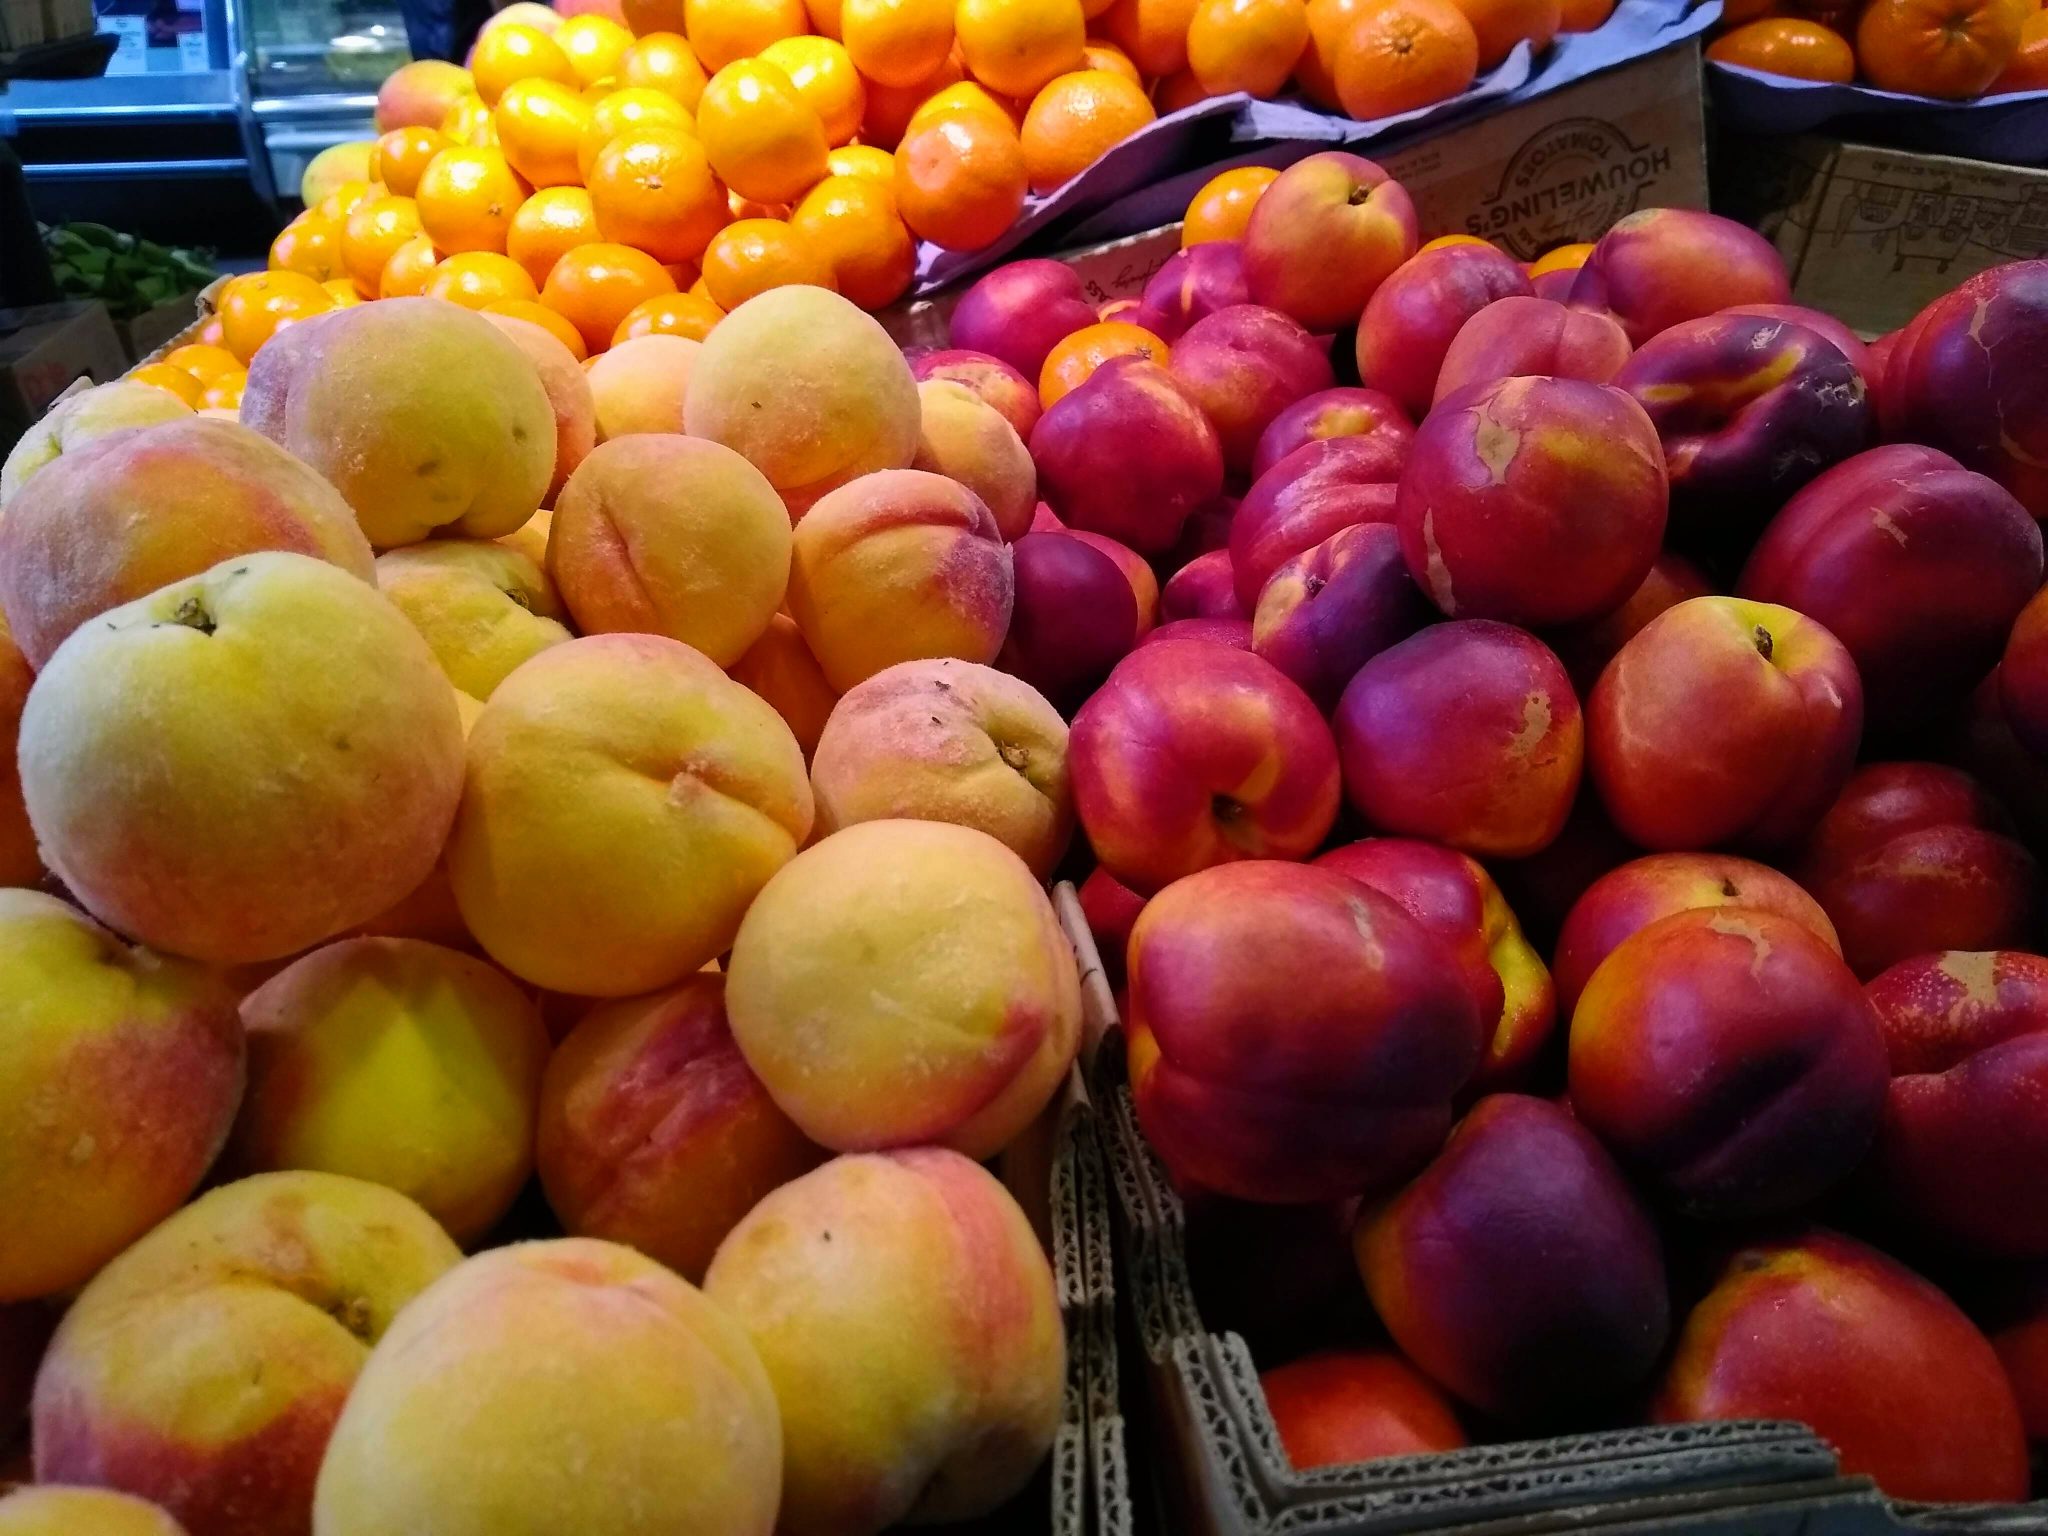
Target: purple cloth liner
[{"x": 2010, "y": 129}]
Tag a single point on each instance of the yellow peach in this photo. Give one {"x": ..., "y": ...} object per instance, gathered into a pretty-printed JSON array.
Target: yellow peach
[
  {"x": 964, "y": 438},
  {"x": 20, "y": 864},
  {"x": 781, "y": 669},
  {"x": 482, "y": 606},
  {"x": 569, "y": 395},
  {"x": 530, "y": 538},
  {"x": 638, "y": 386},
  {"x": 89, "y": 414},
  {"x": 53, "y": 1511}
]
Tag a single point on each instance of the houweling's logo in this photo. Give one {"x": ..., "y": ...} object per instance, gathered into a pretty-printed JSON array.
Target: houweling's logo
[{"x": 1569, "y": 182}]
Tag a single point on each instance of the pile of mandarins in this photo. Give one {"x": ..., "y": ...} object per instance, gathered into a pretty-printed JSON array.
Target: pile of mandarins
[{"x": 1951, "y": 49}]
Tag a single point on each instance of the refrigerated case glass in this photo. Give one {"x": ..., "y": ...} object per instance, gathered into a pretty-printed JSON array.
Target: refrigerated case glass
[{"x": 312, "y": 72}]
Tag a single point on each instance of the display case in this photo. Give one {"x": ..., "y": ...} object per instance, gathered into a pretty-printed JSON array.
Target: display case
[{"x": 311, "y": 69}]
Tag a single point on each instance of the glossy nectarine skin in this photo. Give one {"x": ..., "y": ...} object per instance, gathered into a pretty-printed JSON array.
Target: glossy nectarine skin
[{"x": 1356, "y": 1405}]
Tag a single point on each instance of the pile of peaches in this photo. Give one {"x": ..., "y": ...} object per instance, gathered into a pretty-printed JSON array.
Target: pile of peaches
[{"x": 1952, "y": 50}]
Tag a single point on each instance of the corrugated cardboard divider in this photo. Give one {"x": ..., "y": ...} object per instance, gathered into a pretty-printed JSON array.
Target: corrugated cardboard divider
[{"x": 1220, "y": 1460}]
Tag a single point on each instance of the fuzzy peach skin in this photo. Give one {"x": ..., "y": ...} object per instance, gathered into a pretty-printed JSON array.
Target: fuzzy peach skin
[
  {"x": 781, "y": 669},
  {"x": 994, "y": 381},
  {"x": 1130, "y": 454},
  {"x": 652, "y": 1411},
  {"x": 1454, "y": 897},
  {"x": 483, "y": 607},
  {"x": 897, "y": 566},
  {"x": 1963, "y": 1146},
  {"x": 1729, "y": 1057},
  {"x": 1917, "y": 857},
  {"x": 902, "y": 982},
  {"x": 304, "y": 782},
  {"x": 1721, "y": 721},
  {"x": 1468, "y": 734},
  {"x": 20, "y": 864},
  {"x": 1818, "y": 1328},
  {"x": 72, "y": 423},
  {"x": 1417, "y": 312},
  {"x": 1324, "y": 237},
  {"x": 1522, "y": 335},
  {"x": 1293, "y": 1035},
  {"x": 909, "y": 1323},
  {"x": 1626, "y": 900},
  {"x": 1519, "y": 1270},
  {"x": 662, "y": 534},
  {"x": 1356, "y": 1405},
  {"x": 205, "y": 1367},
  {"x": 639, "y": 385},
  {"x": 530, "y": 538},
  {"x": 403, "y": 1063},
  {"x": 949, "y": 741},
  {"x": 425, "y": 416},
  {"x": 964, "y": 438},
  {"x": 57, "y": 1511},
  {"x": 1535, "y": 501},
  {"x": 624, "y": 802},
  {"x": 808, "y": 389},
  {"x": 1659, "y": 267},
  {"x": 133, "y": 511},
  {"x": 569, "y": 394},
  {"x": 1194, "y": 754},
  {"x": 121, "y": 1077},
  {"x": 655, "y": 1133},
  {"x": 1585, "y": 649}
]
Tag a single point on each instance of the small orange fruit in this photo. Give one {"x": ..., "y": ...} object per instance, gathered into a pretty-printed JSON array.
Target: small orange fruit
[
  {"x": 635, "y": 106},
  {"x": 1180, "y": 89},
  {"x": 669, "y": 314},
  {"x": 698, "y": 290},
  {"x": 553, "y": 221},
  {"x": 1316, "y": 70},
  {"x": 1946, "y": 48},
  {"x": 824, "y": 17},
  {"x": 1563, "y": 258},
  {"x": 254, "y": 305},
  {"x": 1443, "y": 241},
  {"x": 754, "y": 255},
  {"x": 2028, "y": 70},
  {"x": 1077, "y": 119},
  {"x": 512, "y": 52},
  {"x": 405, "y": 274},
  {"x": 309, "y": 244},
  {"x": 1586, "y": 15},
  {"x": 373, "y": 232},
  {"x": 725, "y": 31},
  {"x": 1223, "y": 206},
  {"x": 1500, "y": 24},
  {"x": 213, "y": 331},
  {"x": 225, "y": 394},
  {"x": 344, "y": 292},
  {"x": 877, "y": 165},
  {"x": 852, "y": 222},
  {"x": 203, "y": 361},
  {"x": 1154, "y": 33},
  {"x": 468, "y": 122},
  {"x": 965, "y": 96},
  {"x": 1790, "y": 46},
  {"x": 960, "y": 180},
  {"x": 652, "y": 188},
  {"x": 897, "y": 42},
  {"x": 1405, "y": 54},
  {"x": 747, "y": 208},
  {"x": 467, "y": 198},
  {"x": 890, "y": 107},
  {"x": 540, "y": 315},
  {"x": 1101, "y": 55},
  {"x": 763, "y": 139},
  {"x": 1072, "y": 359},
  {"x": 824, "y": 76},
  {"x": 594, "y": 44},
  {"x": 1247, "y": 45},
  {"x": 532, "y": 13},
  {"x": 594, "y": 287},
  {"x": 338, "y": 204},
  {"x": 175, "y": 381},
  {"x": 540, "y": 124},
  {"x": 665, "y": 62},
  {"x": 403, "y": 153},
  {"x": 476, "y": 278},
  {"x": 1014, "y": 46},
  {"x": 644, "y": 16}
]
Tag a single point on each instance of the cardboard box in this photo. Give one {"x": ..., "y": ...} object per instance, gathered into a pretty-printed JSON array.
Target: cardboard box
[
  {"x": 146, "y": 333},
  {"x": 45, "y": 349},
  {"x": 1545, "y": 173},
  {"x": 1873, "y": 235}
]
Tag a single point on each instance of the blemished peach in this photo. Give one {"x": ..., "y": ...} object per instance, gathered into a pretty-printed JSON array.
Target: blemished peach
[
  {"x": 72, "y": 423},
  {"x": 1198, "y": 754},
  {"x": 1818, "y": 1328},
  {"x": 1294, "y": 1035},
  {"x": 949, "y": 741},
  {"x": 275, "y": 1290},
  {"x": 897, "y": 566},
  {"x": 20, "y": 864},
  {"x": 954, "y": 1003},
  {"x": 403, "y": 1063},
  {"x": 1356, "y": 1405},
  {"x": 640, "y": 385},
  {"x": 127, "y": 513},
  {"x": 624, "y": 802},
  {"x": 909, "y": 1322},
  {"x": 686, "y": 1437},
  {"x": 483, "y": 607},
  {"x": 58, "y": 1511},
  {"x": 663, "y": 534},
  {"x": 781, "y": 669},
  {"x": 995, "y": 381},
  {"x": 424, "y": 415},
  {"x": 1626, "y": 900},
  {"x": 569, "y": 394},
  {"x": 1665, "y": 1044},
  {"x": 811, "y": 391},
  {"x": 655, "y": 1133},
  {"x": 121, "y": 1078},
  {"x": 303, "y": 780},
  {"x": 966, "y": 439}
]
